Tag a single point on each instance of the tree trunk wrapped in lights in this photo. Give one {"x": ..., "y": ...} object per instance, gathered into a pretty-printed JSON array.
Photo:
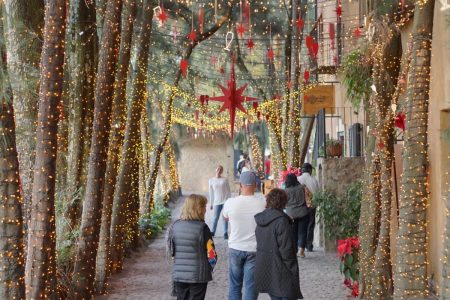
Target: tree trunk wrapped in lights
[
  {"x": 410, "y": 274},
  {"x": 258, "y": 159},
  {"x": 23, "y": 21},
  {"x": 81, "y": 49},
  {"x": 40, "y": 272},
  {"x": 386, "y": 69},
  {"x": 84, "y": 269},
  {"x": 12, "y": 284},
  {"x": 125, "y": 212},
  {"x": 167, "y": 127},
  {"x": 115, "y": 145}
]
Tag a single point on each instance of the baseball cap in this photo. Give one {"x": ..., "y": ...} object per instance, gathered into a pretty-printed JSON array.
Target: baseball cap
[{"x": 247, "y": 178}]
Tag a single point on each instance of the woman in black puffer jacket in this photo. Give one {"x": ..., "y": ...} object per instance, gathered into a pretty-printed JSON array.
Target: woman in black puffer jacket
[{"x": 276, "y": 269}]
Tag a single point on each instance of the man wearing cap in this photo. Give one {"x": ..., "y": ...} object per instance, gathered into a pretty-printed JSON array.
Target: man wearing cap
[
  {"x": 313, "y": 186},
  {"x": 240, "y": 212}
]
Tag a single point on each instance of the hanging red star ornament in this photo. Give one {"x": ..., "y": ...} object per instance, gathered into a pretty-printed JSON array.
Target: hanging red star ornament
[
  {"x": 240, "y": 29},
  {"x": 232, "y": 98},
  {"x": 270, "y": 54},
  {"x": 184, "y": 64},
  {"x": 357, "y": 32},
  {"x": 162, "y": 16},
  {"x": 250, "y": 44},
  {"x": 339, "y": 11},
  {"x": 192, "y": 36}
]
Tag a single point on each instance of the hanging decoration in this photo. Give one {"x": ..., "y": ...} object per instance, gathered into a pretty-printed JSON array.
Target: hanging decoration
[
  {"x": 300, "y": 23},
  {"x": 339, "y": 9},
  {"x": 309, "y": 44},
  {"x": 232, "y": 98},
  {"x": 184, "y": 64},
  {"x": 331, "y": 32},
  {"x": 228, "y": 40},
  {"x": 357, "y": 32},
  {"x": 161, "y": 15},
  {"x": 201, "y": 19},
  {"x": 306, "y": 76},
  {"x": 175, "y": 32},
  {"x": 240, "y": 28},
  {"x": 250, "y": 44},
  {"x": 192, "y": 36},
  {"x": 270, "y": 54}
]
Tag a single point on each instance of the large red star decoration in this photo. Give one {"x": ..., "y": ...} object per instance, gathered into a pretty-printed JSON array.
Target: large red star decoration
[
  {"x": 232, "y": 98},
  {"x": 162, "y": 16},
  {"x": 240, "y": 29},
  {"x": 250, "y": 44},
  {"x": 192, "y": 36}
]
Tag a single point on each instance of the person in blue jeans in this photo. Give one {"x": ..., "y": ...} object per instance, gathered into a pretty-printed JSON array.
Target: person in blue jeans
[
  {"x": 219, "y": 192},
  {"x": 240, "y": 212}
]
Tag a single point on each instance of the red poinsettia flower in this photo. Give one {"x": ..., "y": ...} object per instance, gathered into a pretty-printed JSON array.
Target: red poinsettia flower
[
  {"x": 400, "y": 121},
  {"x": 347, "y": 282},
  {"x": 355, "y": 289}
]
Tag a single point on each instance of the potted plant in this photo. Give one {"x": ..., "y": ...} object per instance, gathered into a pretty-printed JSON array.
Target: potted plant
[{"x": 334, "y": 148}]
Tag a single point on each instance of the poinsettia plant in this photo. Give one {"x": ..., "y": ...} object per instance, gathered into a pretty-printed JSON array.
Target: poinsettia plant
[{"x": 348, "y": 253}]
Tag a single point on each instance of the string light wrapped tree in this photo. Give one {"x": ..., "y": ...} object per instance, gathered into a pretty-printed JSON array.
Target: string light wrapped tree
[
  {"x": 118, "y": 120},
  {"x": 86, "y": 253},
  {"x": 40, "y": 271}
]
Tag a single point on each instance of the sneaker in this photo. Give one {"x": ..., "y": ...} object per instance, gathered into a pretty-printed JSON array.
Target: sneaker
[
  {"x": 309, "y": 249},
  {"x": 225, "y": 236}
]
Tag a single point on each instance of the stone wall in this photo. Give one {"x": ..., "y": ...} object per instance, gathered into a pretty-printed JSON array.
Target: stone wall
[
  {"x": 199, "y": 159},
  {"x": 336, "y": 174}
]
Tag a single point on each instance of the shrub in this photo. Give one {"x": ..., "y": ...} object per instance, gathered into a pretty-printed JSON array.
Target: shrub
[{"x": 153, "y": 223}]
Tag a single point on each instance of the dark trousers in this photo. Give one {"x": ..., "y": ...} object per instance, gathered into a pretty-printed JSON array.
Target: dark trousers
[
  {"x": 190, "y": 291},
  {"x": 300, "y": 231},
  {"x": 311, "y": 226}
]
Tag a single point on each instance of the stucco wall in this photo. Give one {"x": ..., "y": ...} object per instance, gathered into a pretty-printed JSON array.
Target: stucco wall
[
  {"x": 199, "y": 159},
  {"x": 336, "y": 174},
  {"x": 439, "y": 150}
]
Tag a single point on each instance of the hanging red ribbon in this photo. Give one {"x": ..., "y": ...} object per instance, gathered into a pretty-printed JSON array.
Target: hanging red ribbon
[
  {"x": 184, "y": 64},
  {"x": 306, "y": 75}
]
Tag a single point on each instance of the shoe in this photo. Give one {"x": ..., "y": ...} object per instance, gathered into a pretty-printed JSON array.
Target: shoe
[
  {"x": 309, "y": 249},
  {"x": 301, "y": 253},
  {"x": 225, "y": 236},
  {"x": 212, "y": 234}
]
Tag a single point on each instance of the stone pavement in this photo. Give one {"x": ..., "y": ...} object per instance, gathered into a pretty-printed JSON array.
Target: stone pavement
[{"x": 146, "y": 274}]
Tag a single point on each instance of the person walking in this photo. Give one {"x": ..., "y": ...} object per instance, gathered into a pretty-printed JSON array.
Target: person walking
[
  {"x": 240, "y": 212},
  {"x": 219, "y": 192},
  {"x": 267, "y": 164},
  {"x": 191, "y": 246},
  {"x": 313, "y": 186},
  {"x": 276, "y": 270},
  {"x": 297, "y": 209}
]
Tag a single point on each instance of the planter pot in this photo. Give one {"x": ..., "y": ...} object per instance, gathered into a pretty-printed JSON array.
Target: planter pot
[{"x": 334, "y": 150}]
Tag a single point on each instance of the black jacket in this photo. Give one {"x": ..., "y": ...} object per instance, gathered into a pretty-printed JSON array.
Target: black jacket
[
  {"x": 187, "y": 244},
  {"x": 276, "y": 270}
]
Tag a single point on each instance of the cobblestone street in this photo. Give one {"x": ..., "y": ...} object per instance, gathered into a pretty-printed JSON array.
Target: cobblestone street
[{"x": 146, "y": 274}]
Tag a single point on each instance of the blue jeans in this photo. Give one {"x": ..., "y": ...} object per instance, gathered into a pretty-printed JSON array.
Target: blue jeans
[
  {"x": 241, "y": 266},
  {"x": 217, "y": 211},
  {"x": 280, "y": 298}
]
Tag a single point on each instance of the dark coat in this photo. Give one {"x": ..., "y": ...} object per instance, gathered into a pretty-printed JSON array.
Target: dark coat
[
  {"x": 276, "y": 270},
  {"x": 296, "y": 206}
]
